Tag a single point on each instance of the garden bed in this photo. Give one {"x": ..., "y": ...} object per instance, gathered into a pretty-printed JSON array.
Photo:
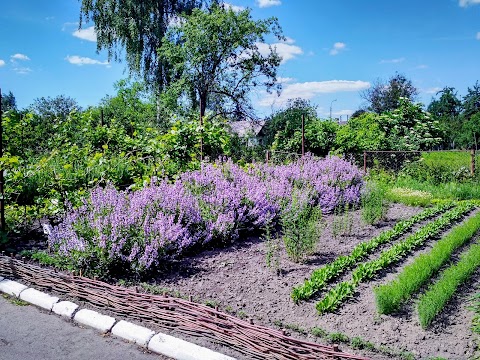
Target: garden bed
[{"x": 238, "y": 281}]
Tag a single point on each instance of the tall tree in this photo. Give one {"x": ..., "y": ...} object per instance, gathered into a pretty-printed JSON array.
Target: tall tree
[
  {"x": 385, "y": 96},
  {"x": 9, "y": 102},
  {"x": 446, "y": 109},
  {"x": 283, "y": 124},
  {"x": 136, "y": 28},
  {"x": 217, "y": 61}
]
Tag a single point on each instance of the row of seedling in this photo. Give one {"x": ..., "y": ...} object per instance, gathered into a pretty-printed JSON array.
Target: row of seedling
[
  {"x": 367, "y": 270},
  {"x": 391, "y": 296},
  {"x": 322, "y": 276}
]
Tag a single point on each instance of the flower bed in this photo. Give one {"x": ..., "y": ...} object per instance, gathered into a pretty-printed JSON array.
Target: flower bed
[{"x": 135, "y": 231}]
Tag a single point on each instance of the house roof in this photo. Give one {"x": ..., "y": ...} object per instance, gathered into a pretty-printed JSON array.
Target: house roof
[{"x": 245, "y": 127}]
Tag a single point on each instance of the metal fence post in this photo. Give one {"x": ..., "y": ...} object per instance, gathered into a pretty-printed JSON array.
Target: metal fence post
[
  {"x": 472, "y": 162},
  {"x": 365, "y": 162}
]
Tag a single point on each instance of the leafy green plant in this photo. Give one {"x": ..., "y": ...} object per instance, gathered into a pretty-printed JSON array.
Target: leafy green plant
[
  {"x": 342, "y": 223},
  {"x": 272, "y": 244},
  {"x": 365, "y": 271},
  {"x": 374, "y": 207},
  {"x": 431, "y": 303},
  {"x": 389, "y": 297},
  {"x": 301, "y": 226},
  {"x": 320, "y": 277}
]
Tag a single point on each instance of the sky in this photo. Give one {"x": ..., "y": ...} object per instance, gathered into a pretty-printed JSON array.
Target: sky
[{"x": 333, "y": 49}]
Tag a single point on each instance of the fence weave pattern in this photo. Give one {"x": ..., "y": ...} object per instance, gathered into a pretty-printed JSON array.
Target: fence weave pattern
[{"x": 256, "y": 342}]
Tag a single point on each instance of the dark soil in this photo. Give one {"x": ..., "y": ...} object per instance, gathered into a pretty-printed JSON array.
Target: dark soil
[{"x": 238, "y": 280}]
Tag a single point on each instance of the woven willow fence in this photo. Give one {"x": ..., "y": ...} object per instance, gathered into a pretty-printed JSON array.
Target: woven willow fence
[{"x": 185, "y": 316}]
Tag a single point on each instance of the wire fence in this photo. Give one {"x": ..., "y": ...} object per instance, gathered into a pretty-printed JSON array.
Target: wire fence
[
  {"x": 464, "y": 162},
  {"x": 185, "y": 316}
]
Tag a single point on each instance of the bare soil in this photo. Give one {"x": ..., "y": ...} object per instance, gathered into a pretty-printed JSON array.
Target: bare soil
[{"x": 237, "y": 279}]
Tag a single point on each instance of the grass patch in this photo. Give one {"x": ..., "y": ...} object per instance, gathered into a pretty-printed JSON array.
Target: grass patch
[
  {"x": 391, "y": 296},
  {"x": 374, "y": 206},
  {"x": 14, "y": 300},
  {"x": 436, "y": 297},
  {"x": 409, "y": 197}
]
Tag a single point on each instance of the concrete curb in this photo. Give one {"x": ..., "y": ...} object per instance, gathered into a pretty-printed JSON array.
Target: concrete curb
[
  {"x": 182, "y": 350},
  {"x": 38, "y": 298},
  {"x": 131, "y": 332},
  {"x": 65, "y": 308},
  {"x": 159, "y": 343},
  {"x": 95, "y": 320},
  {"x": 11, "y": 287}
]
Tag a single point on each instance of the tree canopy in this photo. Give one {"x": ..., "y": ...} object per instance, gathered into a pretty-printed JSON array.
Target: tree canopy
[
  {"x": 385, "y": 96},
  {"x": 136, "y": 27},
  {"x": 216, "y": 61}
]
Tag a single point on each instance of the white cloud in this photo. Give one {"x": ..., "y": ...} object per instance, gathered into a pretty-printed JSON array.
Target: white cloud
[
  {"x": 22, "y": 70},
  {"x": 337, "y": 47},
  {"x": 78, "y": 60},
  {"x": 88, "y": 34},
  {"x": 235, "y": 8},
  {"x": 288, "y": 40},
  {"x": 283, "y": 80},
  {"x": 268, "y": 3},
  {"x": 478, "y": 35},
  {"x": 19, "y": 57},
  {"x": 392, "y": 61},
  {"x": 286, "y": 51},
  {"x": 422, "y": 66},
  {"x": 309, "y": 90},
  {"x": 2, "y": 62},
  {"x": 465, "y": 3},
  {"x": 433, "y": 90}
]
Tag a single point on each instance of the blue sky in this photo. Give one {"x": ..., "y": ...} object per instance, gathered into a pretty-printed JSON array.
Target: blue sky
[{"x": 333, "y": 50}]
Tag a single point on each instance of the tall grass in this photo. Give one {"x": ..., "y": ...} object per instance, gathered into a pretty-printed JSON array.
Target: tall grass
[
  {"x": 434, "y": 300},
  {"x": 391, "y": 296}
]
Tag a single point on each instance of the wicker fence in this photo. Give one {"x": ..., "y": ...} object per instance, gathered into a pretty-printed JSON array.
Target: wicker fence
[{"x": 185, "y": 316}]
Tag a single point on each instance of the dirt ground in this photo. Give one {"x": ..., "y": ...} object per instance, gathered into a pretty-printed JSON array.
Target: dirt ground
[{"x": 238, "y": 280}]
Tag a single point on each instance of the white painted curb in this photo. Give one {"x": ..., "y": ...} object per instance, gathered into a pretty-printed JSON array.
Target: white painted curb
[
  {"x": 65, "y": 308},
  {"x": 11, "y": 287},
  {"x": 160, "y": 343},
  {"x": 131, "y": 332},
  {"x": 94, "y": 319},
  {"x": 39, "y": 298},
  {"x": 182, "y": 350}
]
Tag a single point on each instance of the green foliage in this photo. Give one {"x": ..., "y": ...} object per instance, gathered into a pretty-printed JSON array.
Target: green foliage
[
  {"x": 272, "y": 244},
  {"x": 431, "y": 303},
  {"x": 42, "y": 175},
  {"x": 301, "y": 227},
  {"x": 409, "y": 197},
  {"x": 342, "y": 223},
  {"x": 440, "y": 167},
  {"x": 365, "y": 271},
  {"x": 359, "y": 134},
  {"x": 409, "y": 127},
  {"x": 384, "y": 96},
  {"x": 216, "y": 60},
  {"x": 374, "y": 206},
  {"x": 320, "y": 277},
  {"x": 139, "y": 38},
  {"x": 391, "y": 296}
]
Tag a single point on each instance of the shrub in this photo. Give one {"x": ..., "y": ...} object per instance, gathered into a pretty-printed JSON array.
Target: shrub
[
  {"x": 301, "y": 227},
  {"x": 373, "y": 203}
]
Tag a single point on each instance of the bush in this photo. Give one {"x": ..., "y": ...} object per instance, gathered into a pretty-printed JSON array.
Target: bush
[
  {"x": 374, "y": 207},
  {"x": 301, "y": 227}
]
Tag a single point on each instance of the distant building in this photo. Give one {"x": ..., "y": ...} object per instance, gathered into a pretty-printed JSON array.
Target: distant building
[{"x": 251, "y": 131}]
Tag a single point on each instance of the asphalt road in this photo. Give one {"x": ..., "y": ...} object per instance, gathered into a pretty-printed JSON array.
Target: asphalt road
[{"x": 28, "y": 333}]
